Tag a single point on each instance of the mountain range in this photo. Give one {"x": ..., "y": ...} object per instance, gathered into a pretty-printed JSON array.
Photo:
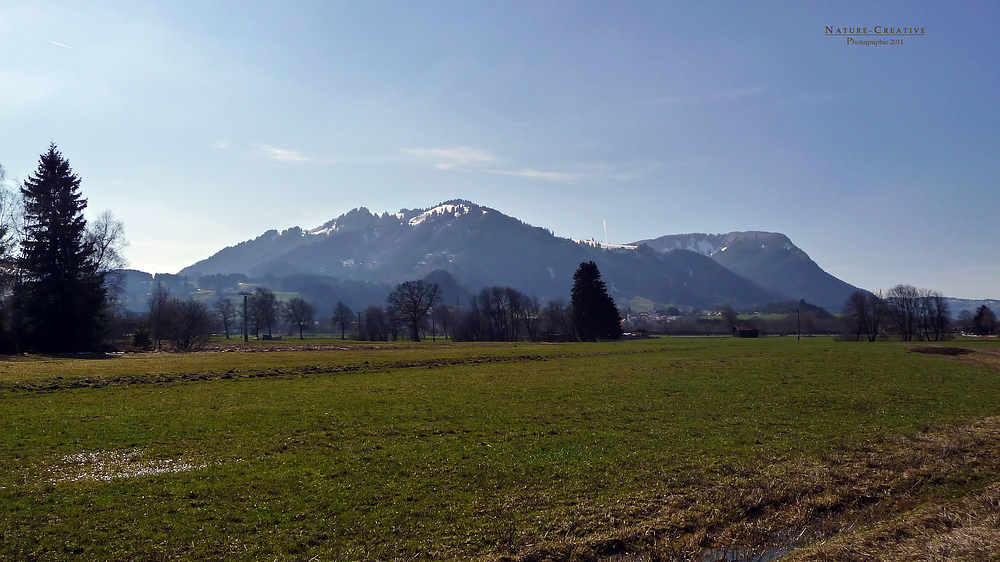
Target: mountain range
[
  {"x": 767, "y": 258},
  {"x": 473, "y": 246}
]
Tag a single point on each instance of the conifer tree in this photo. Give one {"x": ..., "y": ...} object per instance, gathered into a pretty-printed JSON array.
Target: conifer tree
[
  {"x": 64, "y": 296},
  {"x": 594, "y": 312}
]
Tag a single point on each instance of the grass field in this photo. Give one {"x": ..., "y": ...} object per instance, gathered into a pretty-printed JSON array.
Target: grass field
[{"x": 674, "y": 448}]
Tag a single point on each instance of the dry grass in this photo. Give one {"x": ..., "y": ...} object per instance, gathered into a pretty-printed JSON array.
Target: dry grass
[
  {"x": 989, "y": 358},
  {"x": 962, "y": 529},
  {"x": 965, "y": 527},
  {"x": 930, "y": 496},
  {"x": 940, "y": 500}
]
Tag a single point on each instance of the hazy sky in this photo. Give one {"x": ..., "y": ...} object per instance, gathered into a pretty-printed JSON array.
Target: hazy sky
[{"x": 202, "y": 124}]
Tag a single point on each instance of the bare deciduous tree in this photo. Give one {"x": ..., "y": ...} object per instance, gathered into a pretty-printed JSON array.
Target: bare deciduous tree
[
  {"x": 190, "y": 323},
  {"x": 877, "y": 315},
  {"x": 105, "y": 236},
  {"x": 864, "y": 313},
  {"x": 225, "y": 309},
  {"x": 159, "y": 314},
  {"x": 299, "y": 314},
  {"x": 343, "y": 315},
  {"x": 185, "y": 323},
  {"x": 901, "y": 308},
  {"x": 499, "y": 314},
  {"x": 917, "y": 313},
  {"x": 11, "y": 221},
  {"x": 557, "y": 320},
  {"x": 11, "y": 286},
  {"x": 413, "y": 301},
  {"x": 933, "y": 318},
  {"x": 443, "y": 318},
  {"x": 375, "y": 324},
  {"x": 263, "y": 310},
  {"x": 856, "y": 314}
]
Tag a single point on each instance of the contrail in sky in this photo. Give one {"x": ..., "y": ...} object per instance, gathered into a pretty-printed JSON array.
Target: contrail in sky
[{"x": 60, "y": 44}]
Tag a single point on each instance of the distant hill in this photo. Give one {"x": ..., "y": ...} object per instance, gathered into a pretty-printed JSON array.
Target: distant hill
[
  {"x": 767, "y": 258},
  {"x": 956, "y": 306},
  {"x": 137, "y": 285},
  {"x": 479, "y": 246}
]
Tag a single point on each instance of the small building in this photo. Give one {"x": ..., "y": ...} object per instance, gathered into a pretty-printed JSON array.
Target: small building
[{"x": 746, "y": 332}]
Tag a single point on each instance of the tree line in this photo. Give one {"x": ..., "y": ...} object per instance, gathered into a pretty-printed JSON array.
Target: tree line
[
  {"x": 414, "y": 309},
  {"x": 982, "y": 322},
  {"x": 909, "y": 312},
  {"x": 494, "y": 314},
  {"x": 190, "y": 323}
]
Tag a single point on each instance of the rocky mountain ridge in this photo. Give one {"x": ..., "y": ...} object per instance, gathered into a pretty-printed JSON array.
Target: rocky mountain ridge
[{"x": 479, "y": 246}]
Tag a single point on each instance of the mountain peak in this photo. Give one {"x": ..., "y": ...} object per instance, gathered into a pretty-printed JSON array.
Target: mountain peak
[
  {"x": 455, "y": 208},
  {"x": 767, "y": 258},
  {"x": 361, "y": 218},
  {"x": 711, "y": 244}
]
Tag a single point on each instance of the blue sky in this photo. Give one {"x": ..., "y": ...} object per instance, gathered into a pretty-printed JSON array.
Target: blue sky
[{"x": 202, "y": 124}]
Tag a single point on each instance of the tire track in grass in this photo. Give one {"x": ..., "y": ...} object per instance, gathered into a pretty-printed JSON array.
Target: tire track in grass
[{"x": 59, "y": 383}]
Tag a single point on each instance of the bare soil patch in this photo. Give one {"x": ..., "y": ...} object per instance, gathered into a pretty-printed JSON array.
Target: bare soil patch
[
  {"x": 941, "y": 350},
  {"x": 60, "y": 383}
]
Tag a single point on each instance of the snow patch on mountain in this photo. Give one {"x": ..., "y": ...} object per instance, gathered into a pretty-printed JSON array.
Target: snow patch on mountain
[
  {"x": 604, "y": 245},
  {"x": 361, "y": 218},
  {"x": 700, "y": 244},
  {"x": 455, "y": 210},
  {"x": 712, "y": 244},
  {"x": 322, "y": 229}
]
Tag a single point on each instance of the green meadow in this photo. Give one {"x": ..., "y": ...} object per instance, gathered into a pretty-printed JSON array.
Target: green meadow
[{"x": 448, "y": 451}]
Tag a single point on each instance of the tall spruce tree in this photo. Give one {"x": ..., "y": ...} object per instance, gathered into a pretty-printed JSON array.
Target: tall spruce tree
[
  {"x": 594, "y": 312},
  {"x": 64, "y": 296}
]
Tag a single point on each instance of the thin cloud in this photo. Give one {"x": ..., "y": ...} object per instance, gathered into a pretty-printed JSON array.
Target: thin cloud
[
  {"x": 452, "y": 158},
  {"x": 586, "y": 172},
  {"x": 565, "y": 177},
  {"x": 471, "y": 159},
  {"x": 623, "y": 172},
  {"x": 266, "y": 151},
  {"x": 282, "y": 154},
  {"x": 60, "y": 45}
]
